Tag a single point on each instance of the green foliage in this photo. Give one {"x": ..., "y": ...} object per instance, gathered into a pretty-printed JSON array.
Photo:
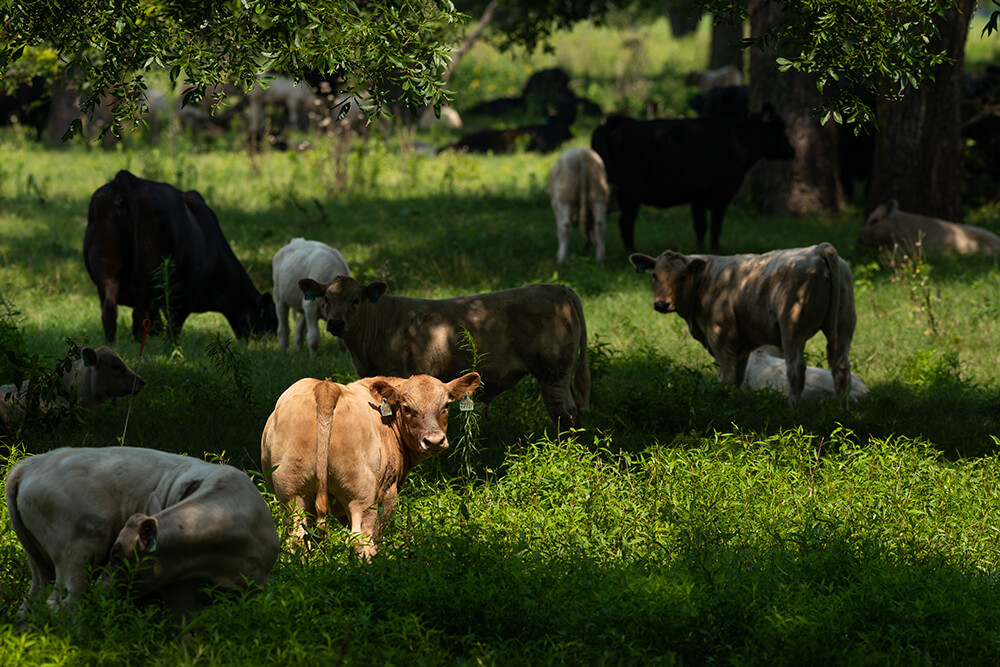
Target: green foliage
[{"x": 233, "y": 363}]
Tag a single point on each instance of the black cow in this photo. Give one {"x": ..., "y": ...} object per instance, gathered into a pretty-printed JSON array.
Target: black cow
[
  {"x": 727, "y": 101},
  {"x": 132, "y": 226},
  {"x": 700, "y": 161},
  {"x": 543, "y": 138}
]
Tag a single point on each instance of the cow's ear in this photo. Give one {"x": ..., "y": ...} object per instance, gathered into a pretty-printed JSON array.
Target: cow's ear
[
  {"x": 149, "y": 528},
  {"x": 384, "y": 393},
  {"x": 641, "y": 262},
  {"x": 696, "y": 266},
  {"x": 891, "y": 207},
  {"x": 374, "y": 291},
  {"x": 89, "y": 356},
  {"x": 311, "y": 289},
  {"x": 463, "y": 386}
]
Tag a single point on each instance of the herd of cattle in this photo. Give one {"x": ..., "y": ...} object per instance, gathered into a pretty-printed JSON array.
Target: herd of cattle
[{"x": 176, "y": 524}]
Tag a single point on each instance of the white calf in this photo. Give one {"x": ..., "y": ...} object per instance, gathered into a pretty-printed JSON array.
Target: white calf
[{"x": 578, "y": 187}]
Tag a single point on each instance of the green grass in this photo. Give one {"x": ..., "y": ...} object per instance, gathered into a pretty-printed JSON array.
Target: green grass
[{"x": 688, "y": 522}]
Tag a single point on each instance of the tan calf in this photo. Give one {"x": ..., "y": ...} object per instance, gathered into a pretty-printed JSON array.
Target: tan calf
[
  {"x": 356, "y": 444},
  {"x": 734, "y": 304},
  {"x": 98, "y": 375},
  {"x": 887, "y": 226}
]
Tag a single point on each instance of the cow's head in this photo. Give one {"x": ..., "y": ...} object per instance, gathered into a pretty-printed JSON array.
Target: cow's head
[
  {"x": 674, "y": 278},
  {"x": 134, "y": 554},
  {"x": 419, "y": 407},
  {"x": 771, "y": 130},
  {"x": 100, "y": 374},
  {"x": 342, "y": 301},
  {"x": 877, "y": 230},
  {"x": 264, "y": 320}
]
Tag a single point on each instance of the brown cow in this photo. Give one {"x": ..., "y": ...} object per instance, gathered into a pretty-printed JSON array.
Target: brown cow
[
  {"x": 537, "y": 329},
  {"x": 163, "y": 524},
  {"x": 98, "y": 375},
  {"x": 887, "y": 226},
  {"x": 733, "y": 304},
  {"x": 356, "y": 443}
]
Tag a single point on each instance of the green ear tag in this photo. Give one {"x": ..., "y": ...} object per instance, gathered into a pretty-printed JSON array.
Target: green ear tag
[
  {"x": 465, "y": 405},
  {"x": 152, "y": 545},
  {"x": 385, "y": 409},
  {"x": 374, "y": 299},
  {"x": 309, "y": 295},
  {"x": 640, "y": 268},
  {"x": 86, "y": 362}
]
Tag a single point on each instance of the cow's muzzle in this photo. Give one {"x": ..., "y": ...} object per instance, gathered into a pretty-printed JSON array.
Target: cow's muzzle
[
  {"x": 434, "y": 442},
  {"x": 662, "y": 306},
  {"x": 336, "y": 327}
]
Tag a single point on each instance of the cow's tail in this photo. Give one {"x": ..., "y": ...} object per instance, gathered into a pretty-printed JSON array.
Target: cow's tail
[
  {"x": 326, "y": 394},
  {"x": 582, "y": 379},
  {"x": 832, "y": 260}
]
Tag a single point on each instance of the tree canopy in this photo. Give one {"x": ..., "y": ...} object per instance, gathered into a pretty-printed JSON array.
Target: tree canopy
[{"x": 108, "y": 46}]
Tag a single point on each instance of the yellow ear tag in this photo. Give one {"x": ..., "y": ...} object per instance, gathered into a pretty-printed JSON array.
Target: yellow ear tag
[
  {"x": 465, "y": 405},
  {"x": 385, "y": 409}
]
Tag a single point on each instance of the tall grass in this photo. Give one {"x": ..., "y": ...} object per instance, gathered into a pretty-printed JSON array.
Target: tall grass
[{"x": 687, "y": 522}]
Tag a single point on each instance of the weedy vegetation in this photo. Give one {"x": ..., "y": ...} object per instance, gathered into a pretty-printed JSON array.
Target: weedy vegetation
[{"x": 687, "y": 522}]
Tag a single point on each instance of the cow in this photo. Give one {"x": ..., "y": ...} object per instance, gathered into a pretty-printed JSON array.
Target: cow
[
  {"x": 448, "y": 118},
  {"x": 536, "y": 329},
  {"x": 355, "y": 443},
  {"x": 579, "y": 192},
  {"x": 133, "y": 227},
  {"x": 543, "y": 138},
  {"x": 297, "y": 260},
  {"x": 297, "y": 99},
  {"x": 98, "y": 375},
  {"x": 734, "y": 304},
  {"x": 700, "y": 161},
  {"x": 724, "y": 102},
  {"x": 158, "y": 524},
  {"x": 766, "y": 370},
  {"x": 709, "y": 79},
  {"x": 888, "y": 226}
]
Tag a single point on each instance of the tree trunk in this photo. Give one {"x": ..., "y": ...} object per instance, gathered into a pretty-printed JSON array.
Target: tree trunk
[
  {"x": 810, "y": 182},
  {"x": 918, "y": 153},
  {"x": 726, "y": 48}
]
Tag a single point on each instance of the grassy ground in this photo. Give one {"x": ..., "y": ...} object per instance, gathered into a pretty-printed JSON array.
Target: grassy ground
[{"x": 688, "y": 522}]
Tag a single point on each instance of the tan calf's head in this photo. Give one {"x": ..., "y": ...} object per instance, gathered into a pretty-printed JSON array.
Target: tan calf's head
[
  {"x": 673, "y": 278},
  {"x": 100, "y": 374},
  {"x": 128, "y": 561},
  {"x": 420, "y": 407},
  {"x": 879, "y": 228},
  {"x": 342, "y": 301}
]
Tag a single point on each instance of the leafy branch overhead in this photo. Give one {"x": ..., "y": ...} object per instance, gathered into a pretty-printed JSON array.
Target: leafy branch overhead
[{"x": 397, "y": 52}]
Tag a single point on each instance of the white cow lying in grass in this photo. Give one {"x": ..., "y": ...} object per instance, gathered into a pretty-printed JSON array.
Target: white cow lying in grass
[
  {"x": 766, "y": 369},
  {"x": 578, "y": 187},
  {"x": 98, "y": 375},
  {"x": 161, "y": 524},
  {"x": 297, "y": 260},
  {"x": 722, "y": 77},
  {"x": 887, "y": 226}
]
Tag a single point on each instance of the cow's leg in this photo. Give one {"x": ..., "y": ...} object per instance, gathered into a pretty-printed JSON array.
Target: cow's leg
[
  {"x": 108, "y": 295},
  {"x": 309, "y": 321},
  {"x": 700, "y": 224},
  {"x": 626, "y": 222},
  {"x": 72, "y": 581},
  {"x": 563, "y": 228},
  {"x": 600, "y": 228},
  {"x": 840, "y": 367},
  {"x": 795, "y": 367},
  {"x": 363, "y": 515},
  {"x": 182, "y": 598},
  {"x": 717, "y": 214},
  {"x": 283, "y": 325},
  {"x": 730, "y": 369},
  {"x": 42, "y": 574},
  {"x": 559, "y": 403}
]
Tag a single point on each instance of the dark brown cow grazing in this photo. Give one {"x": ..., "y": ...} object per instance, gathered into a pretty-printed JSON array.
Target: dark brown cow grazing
[
  {"x": 736, "y": 303},
  {"x": 354, "y": 444},
  {"x": 133, "y": 225},
  {"x": 537, "y": 329}
]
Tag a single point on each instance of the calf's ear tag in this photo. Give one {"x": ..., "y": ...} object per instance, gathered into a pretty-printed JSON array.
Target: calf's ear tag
[
  {"x": 152, "y": 545},
  {"x": 465, "y": 405},
  {"x": 309, "y": 295},
  {"x": 373, "y": 298},
  {"x": 640, "y": 268},
  {"x": 86, "y": 362},
  {"x": 385, "y": 409}
]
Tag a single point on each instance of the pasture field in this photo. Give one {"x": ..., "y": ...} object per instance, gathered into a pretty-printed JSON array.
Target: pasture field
[{"x": 687, "y": 523}]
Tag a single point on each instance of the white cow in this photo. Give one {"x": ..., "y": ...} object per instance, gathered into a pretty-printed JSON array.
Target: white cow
[
  {"x": 766, "y": 369},
  {"x": 706, "y": 80},
  {"x": 98, "y": 375},
  {"x": 888, "y": 226},
  {"x": 160, "y": 524},
  {"x": 578, "y": 188},
  {"x": 295, "y": 261}
]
